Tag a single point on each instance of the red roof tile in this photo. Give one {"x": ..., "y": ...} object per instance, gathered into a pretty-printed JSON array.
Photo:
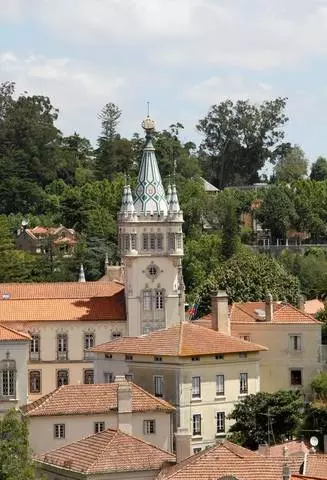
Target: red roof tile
[
  {"x": 224, "y": 459},
  {"x": 91, "y": 399},
  {"x": 181, "y": 340},
  {"x": 293, "y": 447},
  {"x": 108, "y": 451},
  {"x": 316, "y": 466},
  {"x": 8, "y": 334},
  {"x": 313, "y": 306}
]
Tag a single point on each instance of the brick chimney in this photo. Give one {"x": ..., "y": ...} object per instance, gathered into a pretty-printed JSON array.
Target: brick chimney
[
  {"x": 300, "y": 302},
  {"x": 183, "y": 444},
  {"x": 124, "y": 404},
  {"x": 219, "y": 309},
  {"x": 264, "y": 449},
  {"x": 286, "y": 472},
  {"x": 269, "y": 308}
]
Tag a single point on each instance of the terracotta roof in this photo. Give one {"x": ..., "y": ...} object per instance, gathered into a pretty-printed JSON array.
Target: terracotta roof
[
  {"x": 65, "y": 240},
  {"x": 294, "y": 447},
  {"x": 316, "y": 466},
  {"x": 284, "y": 313},
  {"x": 313, "y": 306},
  {"x": 91, "y": 399},
  {"x": 182, "y": 340},
  {"x": 305, "y": 477},
  {"x": 8, "y": 334},
  {"x": 108, "y": 451},
  {"x": 20, "y": 291},
  {"x": 97, "y": 308},
  {"x": 227, "y": 459}
]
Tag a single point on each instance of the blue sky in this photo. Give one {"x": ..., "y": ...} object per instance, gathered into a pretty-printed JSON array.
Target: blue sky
[{"x": 181, "y": 55}]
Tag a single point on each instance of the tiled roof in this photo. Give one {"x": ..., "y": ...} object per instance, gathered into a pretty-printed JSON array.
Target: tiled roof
[
  {"x": 305, "y": 477},
  {"x": 316, "y": 466},
  {"x": 35, "y": 291},
  {"x": 8, "y": 334},
  {"x": 313, "y": 306},
  {"x": 224, "y": 459},
  {"x": 284, "y": 313},
  {"x": 92, "y": 399},
  {"x": 293, "y": 447},
  {"x": 108, "y": 451},
  {"x": 183, "y": 340},
  {"x": 97, "y": 308}
]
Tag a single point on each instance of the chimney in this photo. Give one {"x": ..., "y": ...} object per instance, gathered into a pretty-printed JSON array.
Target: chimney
[
  {"x": 219, "y": 309},
  {"x": 300, "y": 302},
  {"x": 286, "y": 472},
  {"x": 124, "y": 404},
  {"x": 264, "y": 449},
  {"x": 269, "y": 307},
  {"x": 183, "y": 444}
]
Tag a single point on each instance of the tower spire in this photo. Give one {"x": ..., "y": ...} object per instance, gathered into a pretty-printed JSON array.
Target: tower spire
[
  {"x": 173, "y": 201},
  {"x": 150, "y": 195}
]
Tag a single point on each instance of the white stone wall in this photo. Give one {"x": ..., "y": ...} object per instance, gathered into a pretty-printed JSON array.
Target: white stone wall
[{"x": 17, "y": 351}]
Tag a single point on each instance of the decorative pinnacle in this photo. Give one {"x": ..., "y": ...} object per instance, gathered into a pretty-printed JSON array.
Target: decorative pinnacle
[{"x": 149, "y": 127}]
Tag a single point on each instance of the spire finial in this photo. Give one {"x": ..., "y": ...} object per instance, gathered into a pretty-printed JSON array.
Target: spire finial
[
  {"x": 81, "y": 278},
  {"x": 148, "y": 108},
  {"x": 149, "y": 126}
]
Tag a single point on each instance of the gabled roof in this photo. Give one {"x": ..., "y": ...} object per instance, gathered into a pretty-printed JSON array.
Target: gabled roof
[
  {"x": 293, "y": 447},
  {"x": 92, "y": 399},
  {"x": 226, "y": 458},
  {"x": 108, "y": 451},
  {"x": 36, "y": 291},
  {"x": 10, "y": 335},
  {"x": 316, "y": 466},
  {"x": 182, "y": 340}
]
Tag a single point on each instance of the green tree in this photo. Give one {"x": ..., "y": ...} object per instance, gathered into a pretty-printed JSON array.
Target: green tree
[
  {"x": 292, "y": 166},
  {"x": 319, "y": 169},
  {"x": 230, "y": 237},
  {"x": 239, "y": 138},
  {"x": 15, "y": 456},
  {"x": 319, "y": 385},
  {"x": 251, "y": 417}
]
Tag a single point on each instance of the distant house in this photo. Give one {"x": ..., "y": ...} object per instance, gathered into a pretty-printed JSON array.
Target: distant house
[{"x": 47, "y": 240}]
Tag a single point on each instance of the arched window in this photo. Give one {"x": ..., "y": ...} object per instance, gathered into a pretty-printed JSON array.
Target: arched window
[{"x": 8, "y": 378}]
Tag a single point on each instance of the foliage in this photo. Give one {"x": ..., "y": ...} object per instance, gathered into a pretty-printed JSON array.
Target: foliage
[
  {"x": 315, "y": 421},
  {"x": 319, "y": 385},
  {"x": 230, "y": 236},
  {"x": 249, "y": 277},
  {"x": 15, "y": 457},
  {"x": 319, "y": 169},
  {"x": 291, "y": 166},
  {"x": 239, "y": 138},
  {"x": 251, "y": 417}
]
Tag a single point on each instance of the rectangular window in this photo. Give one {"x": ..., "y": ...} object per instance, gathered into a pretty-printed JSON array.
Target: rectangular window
[
  {"x": 108, "y": 377},
  {"x": 220, "y": 422},
  {"x": 88, "y": 340},
  {"x": 243, "y": 383},
  {"x": 296, "y": 377},
  {"x": 99, "y": 427},
  {"x": 197, "y": 450},
  {"x": 59, "y": 430},
  {"x": 35, "y": 347},
  {"x": 295, "y": 342},
  {"x": 152, "y": 241},
  {"x": 133, "y": 241},
  {"x": 115, "y": 335},
  {"x": 220, "y": 385},
  {"x": 147, "y": 300},
  {"x": 197, "y": 424},
  {"x": 145, "y": 241},
  {"x": 8, "y": 383},
  {"x": 159, "y": 241},
  {"x": 179, "y": 241},
  {"x": 129, "y": 377},
  {"x": 196, "y": 387},
  {"x": 128, "y": 357},
  {"x": 35, "y": 381},
  {"x": 125, "y": 239},
  {"x": 62, "y": 378},
  {"x": 88, "y": 376},
  {"x": 62, "y": 346},
  {"x": 159, "y": 300},
  {"x": 247, "y": 338},
  {"x": 171, "y": 241},
  {"x": 158, "y": 386},
  {"x": 149, "y": 427}
]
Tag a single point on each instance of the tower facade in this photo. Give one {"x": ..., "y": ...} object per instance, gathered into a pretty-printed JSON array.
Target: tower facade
[{"x": 151, "y": 248}]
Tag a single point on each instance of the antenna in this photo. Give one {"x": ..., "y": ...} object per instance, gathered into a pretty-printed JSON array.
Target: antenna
[
  {"x": 270, "y": 431},
  {"x": 148, "y": 108}
]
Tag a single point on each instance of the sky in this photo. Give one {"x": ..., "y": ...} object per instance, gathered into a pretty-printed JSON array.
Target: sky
[{"x": 180, "y": 55}]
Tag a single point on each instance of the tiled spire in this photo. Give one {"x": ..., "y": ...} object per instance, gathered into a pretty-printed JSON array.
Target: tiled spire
[
  {"x": 173, "y": 201},
  {"x": 168, "y": 196},
  {"x": 150, "y": 195},
  {"x": 81, "y": 277},
  {"x": 127, "y": 205}
]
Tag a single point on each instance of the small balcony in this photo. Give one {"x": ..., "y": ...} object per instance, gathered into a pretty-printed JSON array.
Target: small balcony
[
  {"x": 34, "y": 356},
  {"x": 62, "y": 355}
]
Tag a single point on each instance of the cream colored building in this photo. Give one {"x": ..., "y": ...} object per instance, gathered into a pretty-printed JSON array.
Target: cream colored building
[
  {"x": 75, "y": 411},
  {"x": 293, "y": 339},
  {"x": 14, "y": 348},
  {"x": 203, "y": 373},
  {"x": 62, "y": 319}
]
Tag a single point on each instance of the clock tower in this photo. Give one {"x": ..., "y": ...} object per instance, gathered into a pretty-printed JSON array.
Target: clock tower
[{"x": 151, "y": 248}]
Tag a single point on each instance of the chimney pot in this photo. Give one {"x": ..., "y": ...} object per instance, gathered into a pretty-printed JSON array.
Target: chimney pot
[
  {"x": 269, "y": 307},
  {"x": 124, "y": 404},
  {"x": 300, "y": 302},
  {"x": 286, "y": 472},
  {"x": 220, "y": 314},
  {"x": 183, "y": 444}
]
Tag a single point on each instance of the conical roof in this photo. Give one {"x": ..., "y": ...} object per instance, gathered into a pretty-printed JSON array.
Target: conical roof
[
  {"x": 150, "y": 195},
  {"x": 173, "y": 201},
  {"x": 127, "y": 205}
]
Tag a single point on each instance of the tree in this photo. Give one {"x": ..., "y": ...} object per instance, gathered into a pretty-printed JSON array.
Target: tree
[
  {"x": 319, "y": 169},
  {"x": 248, "y": 277},
  {"x": 292, "y": 166},
  {"x": 277, "y": 211},
  {"x": 319, "y": 385},
  {"x": 15, "y": 457},
  {"x": 230, "y": 237},
  {"x": 251, "y": 417},
  {"x": 239, "y": 138}
]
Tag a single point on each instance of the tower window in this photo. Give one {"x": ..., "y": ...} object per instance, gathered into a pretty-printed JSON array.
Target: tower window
[
  {"x": 153, "y": 300},
  {"x": 152, "y": 241},
  {"x": 133, "y": 241},
  {"x": 159, "y": 300},
  {"x": 147, "y": 300},
  {"x": 171, "y": 241}
]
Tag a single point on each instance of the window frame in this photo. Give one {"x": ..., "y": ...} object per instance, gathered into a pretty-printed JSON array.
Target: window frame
[
  {"x": 89, "y": 336},
  {"x": 244, "y": 383},
  {"x": 149, "y": 426},
  {"x": 220, "y": 422},
  {"x": 297, "y": 370},
  {"x": 295, "y": 342},
  {"x": 35, "y": 347},
  {"x": 60, "y": 371},
  {"x": 34, "y": 390},
  {"x": 158, "y": 386},
  {"x": 196, "y": 425},
  {"x": 99, "y": 426},
  {"x": 62, "y": 346},
  {"x": 108, "y": 375},
  {"x": 196, "y": 387},
  {"x": 220, "y": 391},
  {"x": 8, "y": 380},
  {"x": 59, "y": 431},
  {"x": 86, "y": 373}
]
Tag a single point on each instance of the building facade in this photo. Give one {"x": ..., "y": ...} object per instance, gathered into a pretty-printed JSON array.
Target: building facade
[{"x": 47, "y": 240}]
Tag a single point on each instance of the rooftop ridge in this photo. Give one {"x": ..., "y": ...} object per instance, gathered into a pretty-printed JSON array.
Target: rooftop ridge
[
  {"x": 153, "y": 397},
  {"x": 24, "y": 336}
]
